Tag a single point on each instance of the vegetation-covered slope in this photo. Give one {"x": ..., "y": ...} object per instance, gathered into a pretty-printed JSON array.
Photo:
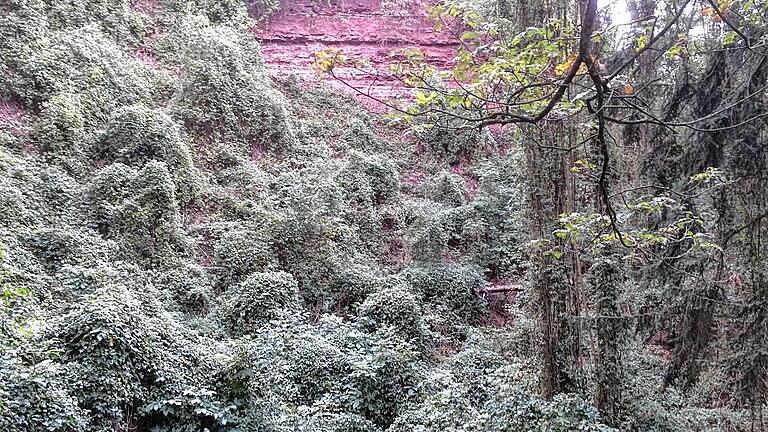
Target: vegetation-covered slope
[{"x": 188, "y": 245}]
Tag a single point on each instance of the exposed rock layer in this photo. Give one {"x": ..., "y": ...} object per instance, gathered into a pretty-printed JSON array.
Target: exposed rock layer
[{"x": 363, "y": 29}]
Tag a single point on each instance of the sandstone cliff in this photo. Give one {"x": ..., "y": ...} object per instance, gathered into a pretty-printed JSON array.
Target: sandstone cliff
[{"x": 369, "y": 29}]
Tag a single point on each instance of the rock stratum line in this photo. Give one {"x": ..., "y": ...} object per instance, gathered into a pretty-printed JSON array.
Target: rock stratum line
[{"x": 363, "y": 29}]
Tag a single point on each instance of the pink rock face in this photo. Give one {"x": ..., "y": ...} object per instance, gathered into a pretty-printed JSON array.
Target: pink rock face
[
  {"x": 13, "y": 117},
  {"x": 362, "y": 29},
  {"x": 11, "y": 112},
  {"x": 147, "y": 7}
]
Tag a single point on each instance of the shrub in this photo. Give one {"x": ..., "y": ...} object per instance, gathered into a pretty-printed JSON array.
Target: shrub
[
  {"x": 136, "y": 135},
  {"x": 359, "y": 135},
  {"x": 330, "y": 372},
  {"x": 370, "y": 180},
  {"x": 33, "y": 193},
  {"x": 313, "y": 235},
  {"x": 352, "y": 284},
  {"x": 114, "y": 17},
  {"x": 521, "y": 341},
  {"x": 139, "y": 210},
  {"x": 261, "y": 10},
  {"x": 82, "y": 62},
  {"x": 231, "y": 12},
  {"x": 395, "y": 308},
  {"x": 108, "y": 351},
  {"x": 430, "y": 242},
  {"x": 475, "y": 368},
  {"x": 455, "y": 145},
  {"x": 242, "y": 180},
  {"x": 189, "y": 286},
  {"x": 447, "y": 189},
  {"x": 240, "y": 251},
  {"x": 194, "y": 409},
  {"x": 453, "y": 411},
  {"x": 311, "y": 419},
  {"x": 383, "y": 380},
  {"x": 497, "y": 223},
  {"x": 438, "y": 230},
  {"x": 106, "y": 193},
  {"x": 151, "y": 214},
  {"x": 523, "y": 412},
  {"x": 74, "y": 77},
  {"x": 290, "y": 362},
  {"x": 257, "y": 300},
  {"x": 480, "y": 392},
  {"x": 225, "y": 94},
  {"x": 35, "y": 397},
  {"x": 62, "y": 133},
  {"x": 56, "y": 247},
  {"x": 76, "y": 281},
  {"x": 122, "y": 351},
  {"x": 12, "y": 208},
  {"x": 453, "y": 287}
]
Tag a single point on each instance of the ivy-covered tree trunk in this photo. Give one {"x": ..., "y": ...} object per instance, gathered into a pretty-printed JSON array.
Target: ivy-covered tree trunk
[
  {"x": 605, "y": 277},
  {"x": 551, "y": 276},
  {"x": 745, "y": 239}
]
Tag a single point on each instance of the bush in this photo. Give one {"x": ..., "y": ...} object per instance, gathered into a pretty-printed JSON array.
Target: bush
[
  {"x": 82, "y": 62},
  {"x": 448, "y": 189},
  {"x": 108, "y": 351},
  {"x": 189, "y": 286},
  {"x": 122, "y": 352},
  {"x": 522, "y": 340},
  {"x": 453, "y": 287},
  {"x": 395, "y": 308},
  {"x": 475, "y": 367},
  {"x": 313, "y": 236},
  {"x": 231, "y": 12},
  {"x": 352, "y": 284},
  {"x": 240, "y": 251},
  {"x": 430, "y": 242},
  {"x": 479, "y": 392},
  {"x": 56, "y": 247},
  {"x": 289, "y": 362},
  {"x": 61, "y": 132},
  {"x": 438, "y": 231},
  {"x": 242, "y": 180},
  {"x": 73, "y": 77},
  {"x": 370, "y": 180},
  {"x": 523, "y": 412},
  {"x": 32, "y": 193},
  {"x": 359, "y": 136},
  {"x": 315, "y": 420},
  {"x": 497, "y": 223},
  {"x": 225, "y": 94},
  {"x": 136, "y": 135},
  {"x": 194, "y": 409},
  {"x": 115, "y": 17},
  {"x": 139, "y": 210},
  {"x": 383, "y": 380},
  {"x": 261, "y": 10},
  {"x": 329, "y": 377},
  {"x": 34, "y": 393},
  {"x": 456, "y": 145},
  {"x": 35, "y": 397},
  {"x": 257, "y": 300}
]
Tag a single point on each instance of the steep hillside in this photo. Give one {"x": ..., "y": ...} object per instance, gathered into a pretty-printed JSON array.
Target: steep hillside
[
  {"x": 194, "y": 237},
  {"x": 187, "y": 245}
]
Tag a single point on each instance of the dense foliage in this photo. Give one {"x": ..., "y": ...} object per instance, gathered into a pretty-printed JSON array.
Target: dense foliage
[{"x": 188, "y": 244}]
